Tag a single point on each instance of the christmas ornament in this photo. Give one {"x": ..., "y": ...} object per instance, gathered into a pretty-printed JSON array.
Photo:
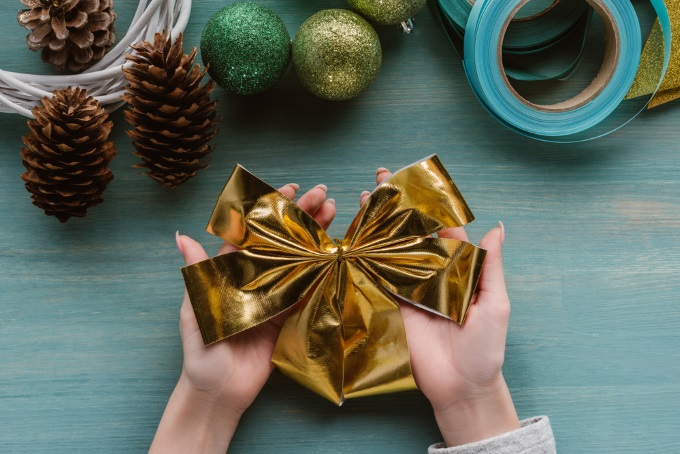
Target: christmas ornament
[
  {"x": 389, "y": 12},
  {"x": 104, "y": 80},
  {"x": 66, "y": 154},
  {"x": 71, "y": 33},
  {"x": 336, "y": 54},
  {"x": 343, "y": 336},
  {"x": 172, "y": 114},
  {"x": 247, "y": 48}
]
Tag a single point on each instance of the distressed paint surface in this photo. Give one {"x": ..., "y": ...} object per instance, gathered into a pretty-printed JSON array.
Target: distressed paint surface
[{"x": 89, "y": 345}]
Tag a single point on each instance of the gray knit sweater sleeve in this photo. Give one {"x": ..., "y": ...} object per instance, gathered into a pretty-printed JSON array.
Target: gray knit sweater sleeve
[{"x": 534, "y": 437}]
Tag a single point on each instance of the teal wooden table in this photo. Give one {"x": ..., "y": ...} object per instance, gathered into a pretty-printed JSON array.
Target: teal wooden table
[{"x": 89, "y": 345}]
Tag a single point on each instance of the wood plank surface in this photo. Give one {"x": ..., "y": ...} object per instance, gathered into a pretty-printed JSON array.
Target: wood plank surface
[{"x": 89, "y": 345}]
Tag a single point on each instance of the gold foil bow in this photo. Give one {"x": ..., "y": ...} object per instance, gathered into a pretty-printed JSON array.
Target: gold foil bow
[{"x": 344, "y": 336}]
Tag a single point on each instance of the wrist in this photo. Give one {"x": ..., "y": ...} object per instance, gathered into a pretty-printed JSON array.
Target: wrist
[
  {"x": 477, "y": 414},
  {"x": 195, "y": 421},
  {"x": 219, "y": 399}
]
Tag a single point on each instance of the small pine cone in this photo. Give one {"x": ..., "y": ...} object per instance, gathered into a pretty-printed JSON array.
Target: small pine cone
[
  {"x": 72, "y": 34},
  {"x": 171, "y": 112},
  {"x": 67, "y": 155}
]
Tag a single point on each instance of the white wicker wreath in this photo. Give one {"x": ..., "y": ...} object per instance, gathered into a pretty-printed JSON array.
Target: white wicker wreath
[{"x": 104, "y": 80}]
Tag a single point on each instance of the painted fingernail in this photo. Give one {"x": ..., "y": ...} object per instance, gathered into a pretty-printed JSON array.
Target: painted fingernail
[
  {"x": 179, "y": 243},
  {"x": 322, "y": 186},
  {"x": 381, "y": 170},
  {"x": 331, "y": 201},
  {"x": 294, "y": 185},
  {"x": 502, "y": 227},
  {"x": 365, "y": 193}
]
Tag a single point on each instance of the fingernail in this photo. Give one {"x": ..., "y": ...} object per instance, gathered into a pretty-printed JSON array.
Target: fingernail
[
  {"x": 322, "y": 186},
  {"x": 179, "y": 243},
  {"x": 365, "y": 193},
  {"x": 332, "y": 201},
  {"x": 502, "y": 227},
  {"x": 381, "y": 170},
  {"x": 294, "y": 185}
]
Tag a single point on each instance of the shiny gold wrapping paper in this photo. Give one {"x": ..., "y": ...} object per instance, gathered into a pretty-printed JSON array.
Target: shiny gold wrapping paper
[{"x": 344, "y": 337}]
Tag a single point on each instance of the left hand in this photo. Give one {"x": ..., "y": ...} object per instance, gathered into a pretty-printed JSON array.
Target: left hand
[{"x": 220, "y": 381}]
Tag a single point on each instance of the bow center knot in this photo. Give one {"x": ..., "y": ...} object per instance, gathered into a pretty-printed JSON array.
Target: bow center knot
[{"x": 339, "y": 249}]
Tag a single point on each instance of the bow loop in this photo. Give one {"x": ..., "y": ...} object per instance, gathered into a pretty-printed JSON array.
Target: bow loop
[
  {"x": 436, "y": 274},
  {"x": 413, "y": 203},
  {"x": 344, "y": 336},
  {"x": 251, "y": 214}
]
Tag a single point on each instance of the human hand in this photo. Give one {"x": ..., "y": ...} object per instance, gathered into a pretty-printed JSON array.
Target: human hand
[
  {"x": 459, "y": 368},
  {"x": 220, "y": 381}
]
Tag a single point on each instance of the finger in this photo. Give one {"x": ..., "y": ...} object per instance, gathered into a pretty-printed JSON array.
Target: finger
[
  {"x": 363, "y": 197},
  {"x": 326, "y": 214},
  {"x": 455, "y": 233},
  {"x": 313, "y": 200},
  {"x": 190, "y": 249},
  {"x": 192, "y": 252},
  {"x": 381, "y": 174},
  {"x": 226, "y": 248},
  {"x": 289, "y": 190},
  {"x": 492, "y": 280}
]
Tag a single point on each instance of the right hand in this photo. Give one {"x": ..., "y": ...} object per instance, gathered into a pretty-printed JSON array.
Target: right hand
[{"x": 459, "y": 368}]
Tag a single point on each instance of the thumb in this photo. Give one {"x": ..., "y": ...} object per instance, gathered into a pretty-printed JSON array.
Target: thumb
[
  {"x": 190, "y": 249},
  {"x": 492, "y": 280},
  {"x": 192, "y": 252}
]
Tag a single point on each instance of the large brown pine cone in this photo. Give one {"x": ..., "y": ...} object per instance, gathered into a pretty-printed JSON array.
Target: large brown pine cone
[
  {"x": 66, "y": 155},
  {"x": 172, "y": 114},
  {"x": 72, "y": 34}
]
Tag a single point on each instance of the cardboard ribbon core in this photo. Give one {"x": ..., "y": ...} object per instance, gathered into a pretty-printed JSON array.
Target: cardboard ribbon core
[{"x": 601, "y": 80}]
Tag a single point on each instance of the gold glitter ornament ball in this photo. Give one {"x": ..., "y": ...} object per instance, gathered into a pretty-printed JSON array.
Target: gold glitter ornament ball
[
  {"x": 336, "y": 54},
  {"x": 247, "y": 47},
  {"x": 388, "y": 12}
]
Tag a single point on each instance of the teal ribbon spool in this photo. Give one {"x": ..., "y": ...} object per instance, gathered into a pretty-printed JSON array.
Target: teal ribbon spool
[
  {"x": 581, "y": 117},
  {"x": 527, "y": 34},
  {"x": 547, "y": 45}
]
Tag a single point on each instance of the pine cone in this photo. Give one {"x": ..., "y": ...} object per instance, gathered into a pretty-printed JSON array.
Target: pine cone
[
  {"x": 171, "y": 112},
  {"x": 71, "y": 33},
  {"x": 67, "y": 155}
]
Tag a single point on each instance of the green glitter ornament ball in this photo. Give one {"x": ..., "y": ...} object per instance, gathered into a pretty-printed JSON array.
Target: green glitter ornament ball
[
  {"x": 247, "y": 47},
  {"x": 388, "y": 12},
  {"x": 336, "y": 54}
]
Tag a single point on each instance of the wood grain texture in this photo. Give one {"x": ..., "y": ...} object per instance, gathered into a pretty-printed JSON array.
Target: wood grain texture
[{"x": 89, "y": 346}]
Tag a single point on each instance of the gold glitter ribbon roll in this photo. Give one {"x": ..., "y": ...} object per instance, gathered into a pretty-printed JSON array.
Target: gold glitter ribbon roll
[
  {"x": 652, "y": 61},
  {"x": 344, "y": 336}
]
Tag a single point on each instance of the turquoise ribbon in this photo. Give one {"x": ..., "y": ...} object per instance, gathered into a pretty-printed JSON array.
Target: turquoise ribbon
[
  {"x": 528, "y": 34},
  {"x": 567, "y": 122},
  {"x": 553, "y": 39}
]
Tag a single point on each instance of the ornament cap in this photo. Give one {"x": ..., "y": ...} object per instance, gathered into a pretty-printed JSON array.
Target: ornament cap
[{"x": 407, "y": 25}]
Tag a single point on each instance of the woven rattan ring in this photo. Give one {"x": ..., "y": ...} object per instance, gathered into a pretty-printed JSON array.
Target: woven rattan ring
[{"x": 104, "y": 80}]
